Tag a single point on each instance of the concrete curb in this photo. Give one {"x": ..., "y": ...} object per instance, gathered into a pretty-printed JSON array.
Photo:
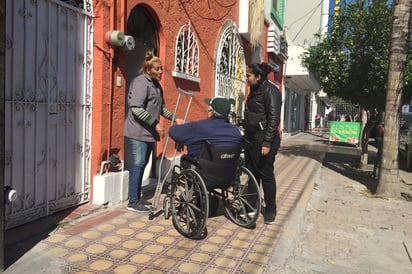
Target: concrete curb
[
  {"x": 404, "y": 178},
  {"x": 288, "y": 243}
]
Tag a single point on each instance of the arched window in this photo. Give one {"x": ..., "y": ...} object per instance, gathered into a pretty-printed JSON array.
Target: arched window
[
  {"x": 187, "y": 55},
  {"x": 141, "y": 25},
  {"x": 230, "y": 69}
]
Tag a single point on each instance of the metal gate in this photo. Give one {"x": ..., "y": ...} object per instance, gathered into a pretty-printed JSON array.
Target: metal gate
[
  {"x": 230, "y": 70},
  {"x": 47, "y": 105}
]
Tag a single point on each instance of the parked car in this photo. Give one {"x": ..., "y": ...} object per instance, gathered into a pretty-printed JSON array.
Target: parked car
[{"x": 405, "y": 136}]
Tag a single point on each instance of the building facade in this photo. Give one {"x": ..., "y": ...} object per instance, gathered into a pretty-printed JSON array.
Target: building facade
[
  {"x": 303, "y": 20},
  {"x": 68, "y": 70}
]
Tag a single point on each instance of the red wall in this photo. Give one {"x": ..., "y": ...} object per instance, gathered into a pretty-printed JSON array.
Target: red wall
[
  {"x": 207, "y": 19},
  {"x": 102, "y": 56}
]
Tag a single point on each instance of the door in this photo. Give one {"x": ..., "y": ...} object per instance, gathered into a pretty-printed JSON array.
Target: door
[
  {"x": 47, "y": 106},
  {"x": 143, "y": 28}
]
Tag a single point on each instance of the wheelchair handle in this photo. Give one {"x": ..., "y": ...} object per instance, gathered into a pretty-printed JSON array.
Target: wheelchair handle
[{"x": 187, "y": 93}]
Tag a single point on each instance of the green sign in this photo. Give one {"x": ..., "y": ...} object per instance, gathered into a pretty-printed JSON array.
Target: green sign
[{"x": 347, "y": 132}]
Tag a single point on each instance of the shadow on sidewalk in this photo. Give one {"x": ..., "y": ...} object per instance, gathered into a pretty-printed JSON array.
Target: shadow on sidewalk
[
  {"x": 19, "y": 240},
  {"x": 347, "y": 165},
  {"x": 340, "y": 157}
]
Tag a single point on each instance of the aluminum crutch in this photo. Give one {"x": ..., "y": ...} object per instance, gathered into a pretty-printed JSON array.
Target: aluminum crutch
[{"x": 160, "y": 183}]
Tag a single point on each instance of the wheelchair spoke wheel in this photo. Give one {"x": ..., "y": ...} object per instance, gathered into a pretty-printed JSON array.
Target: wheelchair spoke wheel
[
  {"x": 242, "y": 200},
  {"x": 189, "y": 204}
]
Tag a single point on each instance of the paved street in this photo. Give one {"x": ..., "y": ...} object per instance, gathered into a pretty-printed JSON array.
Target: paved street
[{"x": 321, "y": 227}]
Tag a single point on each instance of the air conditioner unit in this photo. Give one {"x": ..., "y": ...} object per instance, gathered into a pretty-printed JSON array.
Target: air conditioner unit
[{"x": 273, "y": 36}]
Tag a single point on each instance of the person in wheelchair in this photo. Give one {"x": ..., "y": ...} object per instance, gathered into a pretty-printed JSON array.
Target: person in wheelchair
[
  {"x": 214, "y": 131},
  {"x": 212, "y": 171}
]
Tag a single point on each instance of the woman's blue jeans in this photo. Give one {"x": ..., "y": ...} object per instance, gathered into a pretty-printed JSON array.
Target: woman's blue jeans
[{"x": 137, "y": 155}]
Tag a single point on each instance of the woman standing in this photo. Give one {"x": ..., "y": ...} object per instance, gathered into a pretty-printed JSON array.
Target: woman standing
[
  {"x": 142, "y": 128},
  {"x": 262, "y": 139}
]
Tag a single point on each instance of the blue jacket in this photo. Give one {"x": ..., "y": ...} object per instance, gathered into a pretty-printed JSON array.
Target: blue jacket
[{"x": 218, "y": 131}]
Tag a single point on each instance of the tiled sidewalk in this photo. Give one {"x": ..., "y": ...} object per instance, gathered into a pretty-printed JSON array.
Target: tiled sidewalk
[{"x": 114, "y": 240}]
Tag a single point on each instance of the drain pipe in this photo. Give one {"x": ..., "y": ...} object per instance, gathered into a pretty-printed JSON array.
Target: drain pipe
[
  {"x": 109, "y": 54},
  {"x": 110, "y": 103}
]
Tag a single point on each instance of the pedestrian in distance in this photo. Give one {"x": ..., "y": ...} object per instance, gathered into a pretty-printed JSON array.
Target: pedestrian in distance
[
  {"x": 333, "y": 116},
  {"x": 318, "y": 120},
  {"x": 261, "y": 133},
  {"x": 142, "y": 128}
]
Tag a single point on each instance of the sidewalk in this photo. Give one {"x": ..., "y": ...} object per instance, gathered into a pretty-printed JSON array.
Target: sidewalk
[
  {"x": 327, "y": 223},
  {"x": 339, "y": 227}
]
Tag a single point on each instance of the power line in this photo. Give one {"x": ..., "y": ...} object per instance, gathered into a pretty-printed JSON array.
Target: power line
[{"x": 311, "y": 12}]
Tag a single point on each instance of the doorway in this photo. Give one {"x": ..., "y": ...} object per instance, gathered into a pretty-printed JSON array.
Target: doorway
[{"x": 142, "y": 26}]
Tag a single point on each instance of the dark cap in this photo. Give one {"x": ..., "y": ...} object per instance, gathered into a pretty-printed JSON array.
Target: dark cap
[{"x": 220, "y": 105}]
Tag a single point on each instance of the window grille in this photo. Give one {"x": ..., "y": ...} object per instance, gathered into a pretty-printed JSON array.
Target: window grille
[
  {"x": 81, "y": 4},
  {"x": 230, "y": 70},
  {"x": 346, "y": 112},
  {"x": 187, "y": 54}
]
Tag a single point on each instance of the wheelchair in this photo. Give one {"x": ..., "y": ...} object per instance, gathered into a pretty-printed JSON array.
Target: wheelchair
[{"x": 197, "y": 185}]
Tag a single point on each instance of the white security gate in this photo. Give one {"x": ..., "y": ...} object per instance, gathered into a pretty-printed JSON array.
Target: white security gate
[
  {"x": 230, "y": 69},
  {"x": 48, "y": 106}
]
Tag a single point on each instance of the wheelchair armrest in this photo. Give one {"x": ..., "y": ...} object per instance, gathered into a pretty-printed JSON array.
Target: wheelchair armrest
[{"x": 190, "y": 159}]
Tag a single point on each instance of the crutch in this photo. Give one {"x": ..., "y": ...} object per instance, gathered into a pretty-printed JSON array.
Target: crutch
[{"x": 160, "y": 183}]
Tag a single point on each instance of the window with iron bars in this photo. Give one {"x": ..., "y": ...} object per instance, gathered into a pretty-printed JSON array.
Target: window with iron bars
[
  {"x": 230, "y": 71},
  {"x": 187, "y": 55},
  {"x": 81, "y": 4}
]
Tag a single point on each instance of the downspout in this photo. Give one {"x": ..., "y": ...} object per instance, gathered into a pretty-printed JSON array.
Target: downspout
[
  {"x": 110, "y": 100},
  {"x": 109, "y": 54}
]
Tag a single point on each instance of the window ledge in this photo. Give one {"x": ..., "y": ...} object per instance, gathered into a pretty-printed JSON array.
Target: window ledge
[{"x": 185, "y": 76}]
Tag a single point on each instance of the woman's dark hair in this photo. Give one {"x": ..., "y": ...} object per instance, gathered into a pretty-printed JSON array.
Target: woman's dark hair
[{"x": 261, "y": 69}]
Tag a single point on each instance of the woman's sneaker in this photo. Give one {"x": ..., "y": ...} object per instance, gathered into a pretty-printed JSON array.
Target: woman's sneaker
[
  {"x": 144, "y": 202},
  {"x": 269, "y": 218},
  {"x": 139, "y": 207}
]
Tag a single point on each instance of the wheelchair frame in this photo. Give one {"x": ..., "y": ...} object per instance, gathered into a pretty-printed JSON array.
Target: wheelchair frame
[{"x": 189, "y": 200}]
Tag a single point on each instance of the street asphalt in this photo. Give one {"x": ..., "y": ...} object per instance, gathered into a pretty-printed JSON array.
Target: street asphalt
[{"x": 328, "y": 221}]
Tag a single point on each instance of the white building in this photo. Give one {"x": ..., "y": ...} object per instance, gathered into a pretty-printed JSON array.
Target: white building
[{"x": 303, "y": 20}]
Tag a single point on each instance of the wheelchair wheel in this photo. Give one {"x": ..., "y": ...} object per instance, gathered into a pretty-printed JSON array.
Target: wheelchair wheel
[
  {"x": 189, "y": 204},
  {"x": 166, "y": 207},
  {"x": 242, "y": 200}
]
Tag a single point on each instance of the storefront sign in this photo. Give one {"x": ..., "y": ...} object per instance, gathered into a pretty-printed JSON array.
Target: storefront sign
[{"x": 347, "y": 132}]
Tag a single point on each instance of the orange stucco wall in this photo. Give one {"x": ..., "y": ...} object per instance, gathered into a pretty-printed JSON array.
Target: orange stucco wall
[
  {"x": 207, "y": 22},
  {"x": 206, "y": 18},
  {"x": 102, "y": 56}
]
